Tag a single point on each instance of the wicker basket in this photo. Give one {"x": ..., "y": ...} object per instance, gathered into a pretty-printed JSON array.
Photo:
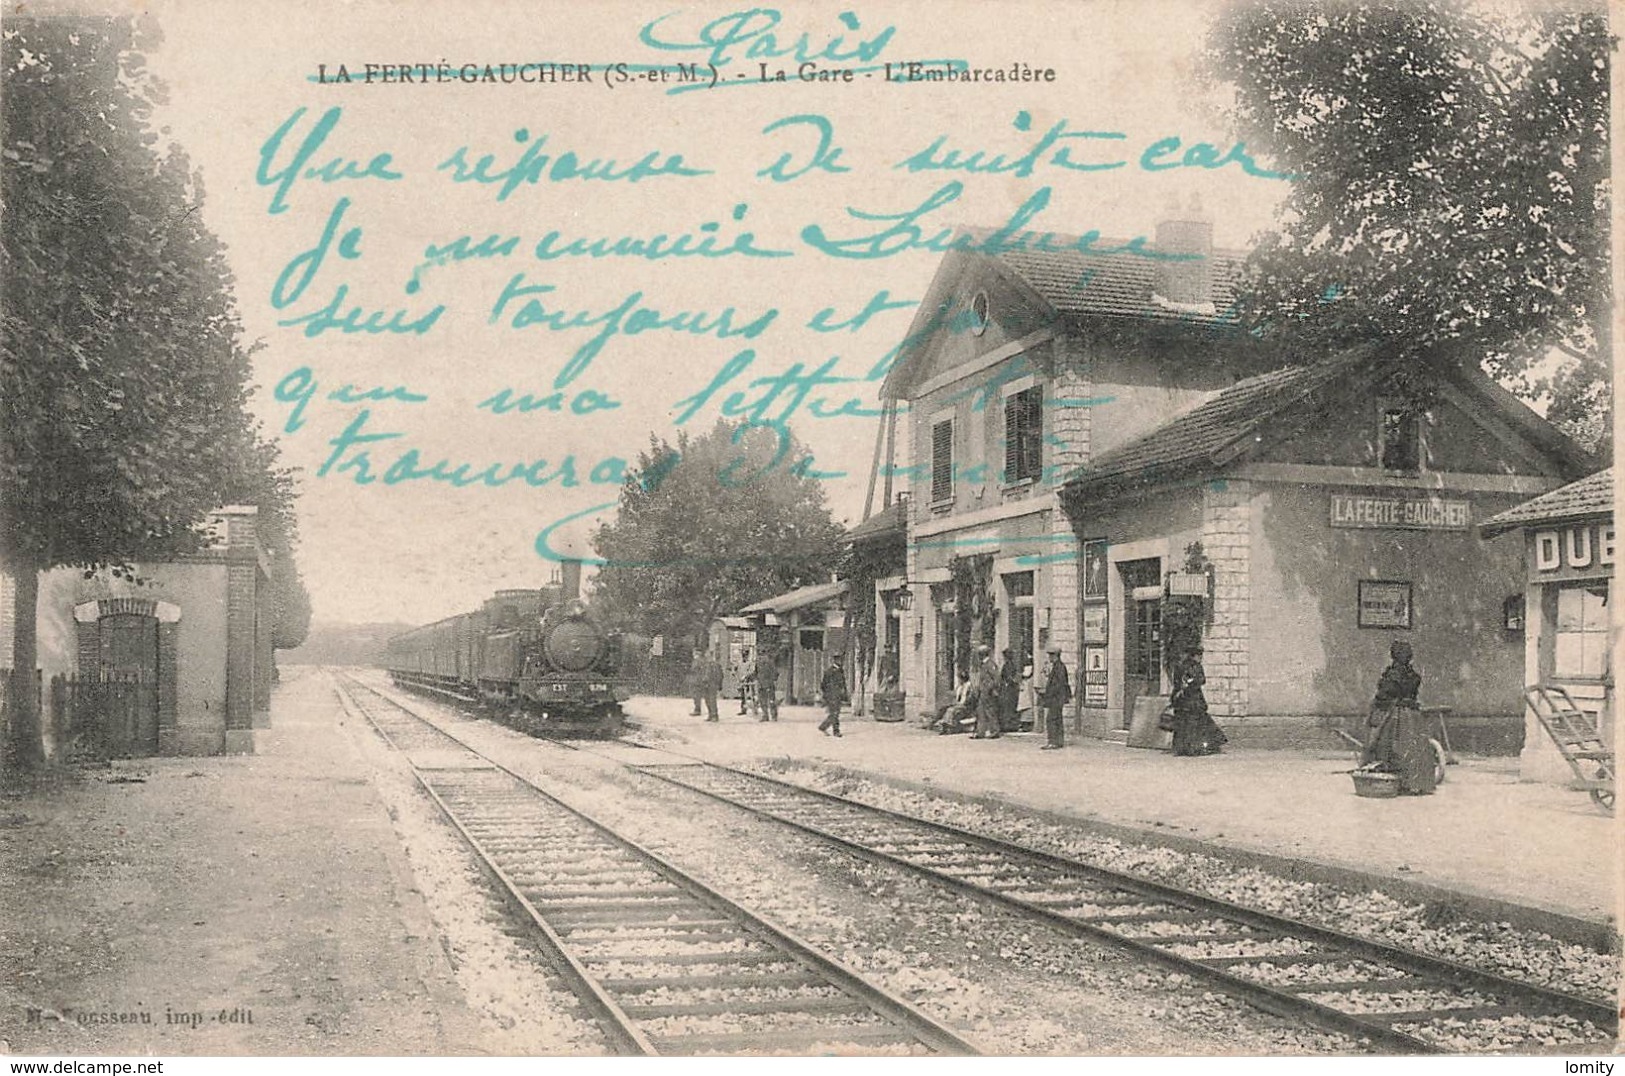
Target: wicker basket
[{"x": 1376, "y": 785}]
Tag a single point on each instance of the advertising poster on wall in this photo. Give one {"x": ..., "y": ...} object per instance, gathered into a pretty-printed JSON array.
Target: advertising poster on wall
[{"x": 1094, "y": 676}]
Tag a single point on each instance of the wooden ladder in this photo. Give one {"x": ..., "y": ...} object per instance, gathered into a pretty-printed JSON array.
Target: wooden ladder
[{"x": 1578, "y": 737}]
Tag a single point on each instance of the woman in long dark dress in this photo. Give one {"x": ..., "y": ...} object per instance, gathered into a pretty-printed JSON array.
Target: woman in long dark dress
[
  {"x": 1400, "y": 743},
  {"x": 1195, "y": 732},
  {"x": 1009, "y": 692}
]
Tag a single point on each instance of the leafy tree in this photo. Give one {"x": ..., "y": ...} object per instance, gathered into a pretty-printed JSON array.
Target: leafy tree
[
  {"x": 122, "y": 382},
  {"x": 259, "y": 479},
  {"x": 1451, "y": 183},
  {"x": 710, "y": 525}
]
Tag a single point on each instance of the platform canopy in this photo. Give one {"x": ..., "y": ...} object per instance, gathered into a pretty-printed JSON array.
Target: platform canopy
[
  {"x": 800, "y": 598},
  {"x": 1589, "y": 498}
]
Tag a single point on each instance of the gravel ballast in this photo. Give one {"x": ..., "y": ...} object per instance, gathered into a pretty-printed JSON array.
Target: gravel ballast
[{"x": 1493, "y": 946}]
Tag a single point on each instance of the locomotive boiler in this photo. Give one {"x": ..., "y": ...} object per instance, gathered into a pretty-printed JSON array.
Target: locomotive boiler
[{"x": 538, "y": 658}]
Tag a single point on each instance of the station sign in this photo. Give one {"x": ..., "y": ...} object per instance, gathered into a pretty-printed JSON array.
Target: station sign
[
  {"x": 1408, "y": 512},
  {"x": 1577, "y": 551}
]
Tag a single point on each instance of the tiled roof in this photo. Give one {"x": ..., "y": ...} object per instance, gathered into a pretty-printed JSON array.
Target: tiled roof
[
  {"x": 1120, "y": 285},
  {"x": 1089, "y": 284},
  {"x": 891, "y": 522},
  {"x": 1200, "y": 437},
  {"x": 799, "y": 598},
  {"x": 1590, "y": 496}
]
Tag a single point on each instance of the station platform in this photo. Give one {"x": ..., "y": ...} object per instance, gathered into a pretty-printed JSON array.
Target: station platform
[
  {"x": 1538, "y": 855},
  {"x": 243, "y": 904}
]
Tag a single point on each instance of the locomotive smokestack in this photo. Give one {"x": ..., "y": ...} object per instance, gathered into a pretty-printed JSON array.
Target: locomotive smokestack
[{"x": 570, "y": 579}]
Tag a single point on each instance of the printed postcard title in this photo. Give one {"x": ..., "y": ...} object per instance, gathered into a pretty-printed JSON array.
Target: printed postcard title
[{"x": 320, "y": 163}]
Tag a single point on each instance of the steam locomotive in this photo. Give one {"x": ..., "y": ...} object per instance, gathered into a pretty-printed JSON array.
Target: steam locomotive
[{"x": 538, "y": 658}]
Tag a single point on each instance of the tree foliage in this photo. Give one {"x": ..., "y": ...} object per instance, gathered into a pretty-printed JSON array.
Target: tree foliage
[
  {"x": 259, "y": 479},
  {"x": 1451, "y": 183},
  {"x": 711, "y": 525},
  {"x": 122, "y": 376}
]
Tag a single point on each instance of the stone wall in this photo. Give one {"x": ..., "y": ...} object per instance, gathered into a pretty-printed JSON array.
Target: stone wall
[
  {"x": 1069, "y": 441},
  {"x": 1227, "y": 541}
]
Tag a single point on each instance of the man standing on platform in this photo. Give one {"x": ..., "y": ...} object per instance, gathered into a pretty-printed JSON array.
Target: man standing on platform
[
  {"x": 710, "y": 683},
  {"x": 696, "y": 677},
  {"x": 767, "y": 683},
  {"x": 1053, "y": 696},
  {"x": 747, "y": 681},
  {"x": 833, "y": 688},
  {"x": 988, "y": 691}
]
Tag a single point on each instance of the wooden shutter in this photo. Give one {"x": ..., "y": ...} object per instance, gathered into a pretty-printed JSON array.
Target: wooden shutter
[
  {"x": 1012, "y": 437},
  {"x": 1032, "y": 432},
  {"x": 942, "y": 460},
  {"x": 1023, "y": 434}
]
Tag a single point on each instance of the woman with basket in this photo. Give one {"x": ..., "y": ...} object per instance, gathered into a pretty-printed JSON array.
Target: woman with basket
[{"x": 1399, "y": 742}]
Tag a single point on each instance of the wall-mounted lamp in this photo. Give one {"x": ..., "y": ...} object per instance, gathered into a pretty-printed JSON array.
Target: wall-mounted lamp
[
  {"x": 1512, "y": 613},
  {"x": 905, "y": 599}
]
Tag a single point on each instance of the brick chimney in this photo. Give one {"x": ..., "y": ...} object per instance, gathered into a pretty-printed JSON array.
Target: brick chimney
[{"x": 1187, "y": 282}]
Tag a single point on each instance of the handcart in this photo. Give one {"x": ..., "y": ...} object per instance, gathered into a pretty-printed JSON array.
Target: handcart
[{"x": 1578, "y": 736}]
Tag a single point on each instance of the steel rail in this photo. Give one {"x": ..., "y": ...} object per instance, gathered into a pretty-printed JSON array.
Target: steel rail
[
  {"x": 906, "y": 1018},
  {"x": 1463, "y": 974},
  {"x": 1275, "y": 1002},
  {"x": 1281, "y": 1001},
  {"x": 623, "y": 1036}
]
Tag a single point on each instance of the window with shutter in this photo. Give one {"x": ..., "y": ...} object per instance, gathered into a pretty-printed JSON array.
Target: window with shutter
[
  {"x": 1399, "y": 438},
  {"x": 1024, "y": 434},
  {"x": 942, "y": 461}
]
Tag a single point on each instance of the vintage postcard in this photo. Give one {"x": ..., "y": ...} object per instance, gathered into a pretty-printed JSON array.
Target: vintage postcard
[{"x": 1019, "y": 528}]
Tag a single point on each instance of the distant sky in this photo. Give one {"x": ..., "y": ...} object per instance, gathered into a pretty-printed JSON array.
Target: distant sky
[{"x": 420, "y": 550}]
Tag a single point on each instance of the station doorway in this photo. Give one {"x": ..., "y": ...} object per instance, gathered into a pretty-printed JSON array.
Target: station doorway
[{"x": 1141, "y": 638}]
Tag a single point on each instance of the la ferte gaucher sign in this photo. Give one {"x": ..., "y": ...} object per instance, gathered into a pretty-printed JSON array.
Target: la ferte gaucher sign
[{"x": 1412, "y": 512}]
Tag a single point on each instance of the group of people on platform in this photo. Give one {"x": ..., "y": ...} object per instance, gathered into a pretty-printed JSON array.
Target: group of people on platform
[
  {"x": 758, "y": 684},
  {"x": 998, "y": 692},
  {"x": 759, "y": 687},
  {"x": 993, "y": 697}
]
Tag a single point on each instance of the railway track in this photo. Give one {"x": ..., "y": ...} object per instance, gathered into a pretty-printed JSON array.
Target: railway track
[
  {"x": 1398, "y": 999},
  {"x": 666, "y": 964}
]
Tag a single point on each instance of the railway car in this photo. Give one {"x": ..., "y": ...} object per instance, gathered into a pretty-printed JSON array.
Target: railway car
[{"x": 537, "y": 658}]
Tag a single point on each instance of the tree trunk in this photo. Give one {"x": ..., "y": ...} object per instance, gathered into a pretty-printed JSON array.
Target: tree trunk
[{"x": 24, "y": 748}]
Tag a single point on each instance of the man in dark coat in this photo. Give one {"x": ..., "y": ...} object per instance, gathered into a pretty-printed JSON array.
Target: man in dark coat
[
  {"x": 988, "y": 691},
  {"x": 767, "y": 684},
  {"x": 696, "y": 682},
  {"x": 833, "y": 688},
  {"x": 710, "y": 683},
  {"x": 747, "y": 681},
  {"x": 1053, "y": 697}
]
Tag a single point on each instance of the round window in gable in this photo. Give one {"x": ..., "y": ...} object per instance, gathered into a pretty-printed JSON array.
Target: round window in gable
[{"x": 979, "y": 313}]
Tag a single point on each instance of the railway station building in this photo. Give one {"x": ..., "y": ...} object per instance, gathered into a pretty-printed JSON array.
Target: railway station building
[
  {"x": 1078, "y": 425},
  {"x": 805, "y": 627},
  {"x": 177, "y": 662},
  {"x": 1018, "y": 365},
  {"x": 1326, "y": 510}
]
